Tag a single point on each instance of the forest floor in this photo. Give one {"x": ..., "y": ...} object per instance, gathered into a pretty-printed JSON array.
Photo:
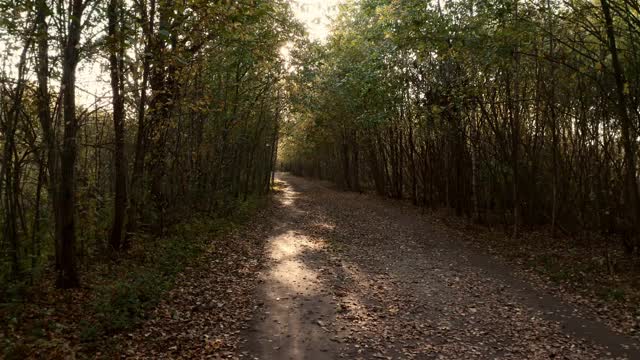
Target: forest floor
[
  {"x": 319, "y": 273},
  {"x": 325, "y": 274}
]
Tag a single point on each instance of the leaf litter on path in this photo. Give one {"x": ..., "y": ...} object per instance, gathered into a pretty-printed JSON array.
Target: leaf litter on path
[{"x": 325, "y": 274}]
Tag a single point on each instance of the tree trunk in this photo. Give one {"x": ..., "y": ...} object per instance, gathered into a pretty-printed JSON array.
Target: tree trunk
[
  {"x": 141, "y": 132},
  {"x": 68, "y": 274},
  {"x": 36, "y": 239},
  {"x": 11, "y": 165},
  {"x": 515, "y": 134},
  {"x": 356, "y": 164},
  {"x": 116, "y": 63},
  {"x": 412, "y": 162},
  {"x": 44, "y": 117},
  {"x": 631, "y": 195}
]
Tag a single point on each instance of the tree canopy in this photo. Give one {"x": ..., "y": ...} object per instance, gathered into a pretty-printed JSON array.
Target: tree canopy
[
  {"x": 513, "y": 112},
  {"x": 190, "y": 124}
]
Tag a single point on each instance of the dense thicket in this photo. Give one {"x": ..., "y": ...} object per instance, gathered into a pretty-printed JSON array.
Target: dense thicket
[
  {"x": 190, "y": 124},
  {"x": 519, "y": 112}
]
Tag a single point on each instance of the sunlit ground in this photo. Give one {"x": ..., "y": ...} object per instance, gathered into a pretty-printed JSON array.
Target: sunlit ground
[
  {"x": 290, "y": 271},
  {"x": 286, "y": 250}
]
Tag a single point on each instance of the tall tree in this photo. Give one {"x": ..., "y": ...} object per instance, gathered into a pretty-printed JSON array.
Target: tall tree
[
  {"x": 506, "y": 109},
  {"x": 631, "y": 194},
  {"x": 68, "y": 272},
  {"x": 116, "y": 65}
]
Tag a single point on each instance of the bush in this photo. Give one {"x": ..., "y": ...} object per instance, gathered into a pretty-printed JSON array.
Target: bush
[
  {"x": 122, "y": 304},
  {"x": 122, "y": 301}
]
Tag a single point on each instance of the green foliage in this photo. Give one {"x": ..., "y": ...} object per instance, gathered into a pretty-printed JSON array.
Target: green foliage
[
  {"x": 119, "y": 306},
  {"x": 204, "y": 99},
  {"x": 15, "y": 351},
  {"x": 214, "y": 103},
  {"x": 90, "y": 331},
  {"x": 503, "y": 108},
  {"x": 122, "y": 302},
  {"x": 136, "y": 284},
  {"x": 616, "y": 294}
]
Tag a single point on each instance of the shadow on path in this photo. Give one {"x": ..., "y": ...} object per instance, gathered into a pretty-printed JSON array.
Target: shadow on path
[{"x": 355, "y": 276}]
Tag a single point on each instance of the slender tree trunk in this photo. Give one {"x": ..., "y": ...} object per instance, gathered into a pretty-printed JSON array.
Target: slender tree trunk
[
  {"x": 345, "y": 162},
  {"x": 116, "y": 63},
  {"x": 554, "y": 126},
  {"x": 46, "y": 121},
  {"x": 356, "y": 163},
  {"x": 515, "y": 134},
  {"x": 68, "y": 274},
  {"x": 412, "y": 162},
  {"x": 141, "y": 132},
  {"x": 36, "y": 238},
  {"x": 474, "y": 167},
  {"x": 11, "y": 165},
  {"x": 274, "y": 151},
  {"x": 631, "y": 195}
]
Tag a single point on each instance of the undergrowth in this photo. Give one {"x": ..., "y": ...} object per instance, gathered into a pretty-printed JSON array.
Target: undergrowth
[{"x": 117, "y": 294}]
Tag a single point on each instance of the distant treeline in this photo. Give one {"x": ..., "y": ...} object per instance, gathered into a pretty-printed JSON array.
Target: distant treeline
[{"x": 521, "y": 112}]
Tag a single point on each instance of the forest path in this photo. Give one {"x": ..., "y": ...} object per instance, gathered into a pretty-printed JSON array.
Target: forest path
[{"x": 355, "y": 276}]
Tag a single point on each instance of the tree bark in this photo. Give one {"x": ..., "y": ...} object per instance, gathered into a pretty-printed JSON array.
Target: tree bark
[
  {"x": 68, "y": 274},
  {"x": 11, "y": 164},
  {"x": 46, "y": 123},
  {"x": 631, "y": 195},
  {"x": 116, "y": 63},
  {"x": 141, "y": 132}
]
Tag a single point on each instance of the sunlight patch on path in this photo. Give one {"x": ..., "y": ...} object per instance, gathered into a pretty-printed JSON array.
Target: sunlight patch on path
[
  {"x": 296, "y": 301},
  {"x": 288, "y": 269}
]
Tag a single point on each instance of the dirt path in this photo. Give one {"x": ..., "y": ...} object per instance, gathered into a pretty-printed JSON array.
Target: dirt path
[{"x": 354, "y": 276}]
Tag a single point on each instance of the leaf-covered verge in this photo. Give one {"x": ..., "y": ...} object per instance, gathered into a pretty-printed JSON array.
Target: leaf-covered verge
[
  {"x": 40, "y": 320},
  {"x": 604, "y": 282}
]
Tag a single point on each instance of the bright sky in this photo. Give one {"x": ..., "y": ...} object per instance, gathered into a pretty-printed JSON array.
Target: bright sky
[
  {"x": 93, "y": 79},
  {"x": 316, "y": 15}
]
